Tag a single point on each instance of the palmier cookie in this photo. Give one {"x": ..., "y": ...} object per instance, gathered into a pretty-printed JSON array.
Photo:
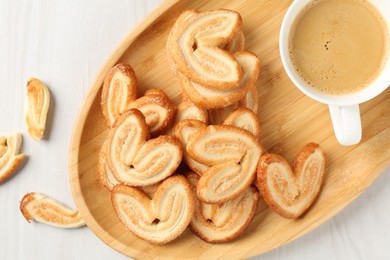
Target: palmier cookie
[
  {"x": 158, "y": 220},
  {"x": 290, "y": 192},
  {"x": 250, "y": 101},
  {"x": 210, "y": 98},
  {"x": 38, "y": 103},
  {"x": 232, "y": 155},
  {"x": 136, "y": 160},
  {"x": 195, "y": 48},
  {"x": 244, "y": 118},
  {"x": 120, "y": 88},
  {"x": 10, "y": 158},
  {"x": 41, "y": 208},
  {"x": 183, "y": 131},
  {"x": 221, "y": 223}
]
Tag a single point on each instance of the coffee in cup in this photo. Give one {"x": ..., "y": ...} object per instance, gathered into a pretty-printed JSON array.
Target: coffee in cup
[
  {"x": 339, "y": 46},
  {"x": 336, "y": 52}
]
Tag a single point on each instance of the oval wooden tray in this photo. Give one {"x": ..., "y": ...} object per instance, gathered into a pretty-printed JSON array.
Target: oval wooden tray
[{"x": 289, "y": 120}]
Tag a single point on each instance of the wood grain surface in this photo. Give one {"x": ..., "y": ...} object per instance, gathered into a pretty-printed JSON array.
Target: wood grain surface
[{"x": 289, "y": 120}]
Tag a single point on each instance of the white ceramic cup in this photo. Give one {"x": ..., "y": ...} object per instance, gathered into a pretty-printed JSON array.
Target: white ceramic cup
[{"x": 344, "y": 110}]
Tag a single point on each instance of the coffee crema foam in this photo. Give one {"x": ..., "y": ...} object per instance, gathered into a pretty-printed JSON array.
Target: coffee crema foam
[{"x": 339, "y": 47}]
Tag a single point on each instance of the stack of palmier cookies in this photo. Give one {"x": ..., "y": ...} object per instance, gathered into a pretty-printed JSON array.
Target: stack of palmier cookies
[
  {"x": 215, "y": 131},
  {"x": 206, "y": 53}
]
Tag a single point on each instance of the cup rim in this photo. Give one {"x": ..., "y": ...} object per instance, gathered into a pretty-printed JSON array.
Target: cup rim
[{"x": 371, "y": 91}]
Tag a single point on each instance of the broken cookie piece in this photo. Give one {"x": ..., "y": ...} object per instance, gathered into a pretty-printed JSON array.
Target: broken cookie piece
[
  {"x": 43, "y": 209},
  {"x": 10, "y": 159},
  {"x": 38, "y": 103}
]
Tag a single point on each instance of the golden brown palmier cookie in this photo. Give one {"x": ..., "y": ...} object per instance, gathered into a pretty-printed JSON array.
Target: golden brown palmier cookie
[
  {"x": 38, "y": 103},
  {"x": 210, "y": 98},
  {"x": 10, "y": 158},
  {"x": 244, "y": 118},
  {"x": 290, "y": 192},
  {"x": 158, "y": 220},
  {"x": 221, "y": 223},
  {"x": 183, "y": 131},
  {"x": 157, "y": 108},
  {"x": 250, "y": 101},
  {"x": 120, "y": 88},
  {"x": 106, "y": 177},
  {"x": 41, "y": 208},
  {"x": 136, "y": 160},
  {"x": 195, "y": 43},
  {"x": 232, "y": 155}
]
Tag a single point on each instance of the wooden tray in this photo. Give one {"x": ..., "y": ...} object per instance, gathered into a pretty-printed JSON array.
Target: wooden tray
[{"x": 289, "y": 120}]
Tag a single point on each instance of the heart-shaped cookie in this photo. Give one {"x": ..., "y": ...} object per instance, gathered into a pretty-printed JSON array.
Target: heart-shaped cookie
[
  {"x": 195, "y": 47},
  {"x": 290, "y": 192},
  {"x": 10, "y": 158},
  {"x": 220, "y": 223},
  {"x": 231, "y": 154},
  {"x": 158, "y": 220},
  {"x": 133, "y": 158}
]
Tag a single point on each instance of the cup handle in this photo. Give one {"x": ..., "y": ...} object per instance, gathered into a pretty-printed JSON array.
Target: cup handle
[{"x": 346, "y": 124}]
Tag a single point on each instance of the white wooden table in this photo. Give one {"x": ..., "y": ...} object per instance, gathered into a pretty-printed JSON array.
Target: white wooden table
[{"x": 65, "y": 43}]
